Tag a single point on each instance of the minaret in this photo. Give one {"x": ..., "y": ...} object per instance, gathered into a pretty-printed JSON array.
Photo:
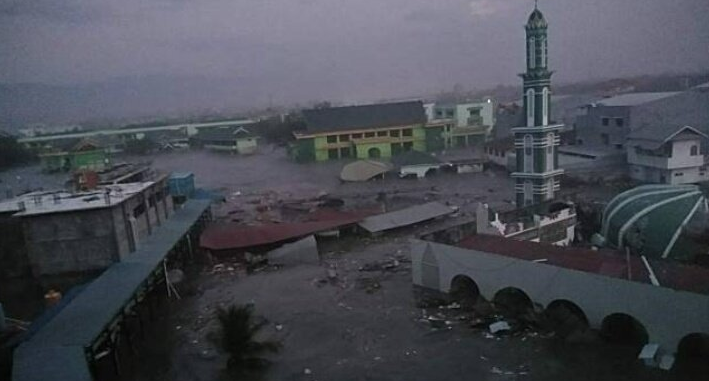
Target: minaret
[{"x": 536, "y": 142}]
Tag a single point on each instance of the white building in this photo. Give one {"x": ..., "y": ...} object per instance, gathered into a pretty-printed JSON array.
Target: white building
[
  {"x": 464, "y": 124},
  {"x": 667, "y": 156}
]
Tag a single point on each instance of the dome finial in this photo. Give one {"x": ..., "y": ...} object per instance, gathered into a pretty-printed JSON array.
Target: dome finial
[{"x": 535, "y": 3}]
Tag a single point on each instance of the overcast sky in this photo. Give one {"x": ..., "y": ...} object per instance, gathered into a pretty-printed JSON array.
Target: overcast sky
[{"x": 361, "y": 47}]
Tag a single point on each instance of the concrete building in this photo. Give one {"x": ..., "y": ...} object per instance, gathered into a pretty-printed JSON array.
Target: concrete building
[
  {"x": 608, "y": 122},
  {"x": 236, "y": 140},
  {"x": 536, "y": 141},
  {"x": 502, "y": 152},
  {"x": 547, "y": 223},
  {"x": 657, "y": 154},
  {"x": 464, "y": 125},
  {"x": 88, "y": 231},
  {"x": 608, "y": 291},
  {"x": 365, "y": 132}
]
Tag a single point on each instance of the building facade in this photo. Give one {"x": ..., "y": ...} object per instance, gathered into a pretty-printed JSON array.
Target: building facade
[
  {"x": 464, "y": 125},
  {"x": 536, "y": 141},
  {"x": 71, "y": 233},
  {"x": 365, "y": 132},
  {"x": 74, "y": 154},
  {"x": 235, "y": 140},
  {"x": 667, "y": 157}
]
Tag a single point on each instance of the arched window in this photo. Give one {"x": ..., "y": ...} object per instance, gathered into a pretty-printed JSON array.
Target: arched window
[
  {"x": 528, "y": 196},
  {"x": 543, "y": 52},
  {"x": 550, "y": 151},
  {"x": 545, "y": 106},
  {"x": 532, "y": 53},
  {"x": 530, "y": 107},
  {"x": 528, "y": 157}
]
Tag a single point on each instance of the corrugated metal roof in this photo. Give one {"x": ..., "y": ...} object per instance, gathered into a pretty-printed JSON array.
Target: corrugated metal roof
[
  {"x": 405, "y": 217},
  {"x": 635, "y": 99},
  {"x": 364, "y": 117},
  {"x": 237, "y": 237},
  {"x": 414, "y": 158},
  {"x": 87, "y": 316},
  {"x": 670, "y": 274}
]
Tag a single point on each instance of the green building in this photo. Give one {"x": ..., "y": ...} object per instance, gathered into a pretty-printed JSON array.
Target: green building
[
  {"x": 74, "y": 154},
  {"x": 536, "y": 142},
  {"x": 366, "y": 132}
]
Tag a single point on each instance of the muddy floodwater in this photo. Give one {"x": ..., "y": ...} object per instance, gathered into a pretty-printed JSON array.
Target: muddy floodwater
[{"x": 357, "y": 325}]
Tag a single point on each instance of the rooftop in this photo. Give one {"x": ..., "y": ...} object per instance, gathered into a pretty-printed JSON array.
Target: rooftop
[
  {"x": 44, "y": 202},
  {"x": 606, "y": 263},
  {"x": 364, "y": 117},
  {"x": 634, "y": 99}
]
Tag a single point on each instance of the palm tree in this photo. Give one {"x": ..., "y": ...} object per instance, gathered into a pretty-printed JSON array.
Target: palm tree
[{"x": 237, "y": 337}]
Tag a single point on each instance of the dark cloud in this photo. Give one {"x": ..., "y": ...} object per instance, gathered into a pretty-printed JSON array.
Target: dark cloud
[{"x": 345, "y": 50}]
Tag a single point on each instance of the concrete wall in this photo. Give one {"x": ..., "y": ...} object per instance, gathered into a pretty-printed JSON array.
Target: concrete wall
[
  {"x": 589, "y": 127},
  {"x": 70, "y": 242},
  {"x": 667, "y": 314},
  {"x": 13, "y": 252}
]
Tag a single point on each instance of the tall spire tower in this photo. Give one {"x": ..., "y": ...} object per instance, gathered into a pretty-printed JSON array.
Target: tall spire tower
[{"x": 536, "y": 141}]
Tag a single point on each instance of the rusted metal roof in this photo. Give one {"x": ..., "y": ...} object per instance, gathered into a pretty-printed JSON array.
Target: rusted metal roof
[
  {"x": 237, "y": 236},
  {"x": 607, "y": 263}
]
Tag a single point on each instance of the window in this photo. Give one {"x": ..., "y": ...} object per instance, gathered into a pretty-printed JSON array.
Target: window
[
  {"x": 619, "y": 122},
  {"x": 394, "y": 133},
  {"x": 550, "y": 151},
  {"x": 439, "y": 113},
  {"x": 605, "y": 139},
  {"x": 332, "y": 138},
  {"x": 678, "y": 174},
  {"x": 151, "y": 200},
  {"x": 407, "y": 132},
  {"x": 356, "y": 136},
  {"x": 159, "y": 195},
  {"x": 450, "y": 114},
  {"x": 474, "y": 111},
  {"x": 139, "y": 210},
  {"x": 605, "y": 121},
  {"x": 528, "y": 197},
  {"x": 543, "y": 51},
  {"x": 369, "y": 135},
  {"x": 345, "y": 152},
  {"x": 530, "y": 107},
  {"x": 396, "y": 149},
  {"x": 694, "y": 151},
  {"x": 381, "y": 133},
  {"x": 545, "y": 106},
  {"x": 532, "y": 52},
  {"x": 619, "y": 146},
  {"x": 528, "y": 158},
  {"x": 332, "y": 154},
  {"x": 408, "y": 146},
  {"x": 344, "y": 138},
  {"x": 579, "y": 142}
]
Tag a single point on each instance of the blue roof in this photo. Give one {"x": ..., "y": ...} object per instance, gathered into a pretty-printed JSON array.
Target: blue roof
[
  {"x": 76, "y": 327},
  {"x": 180, "y": 175}
]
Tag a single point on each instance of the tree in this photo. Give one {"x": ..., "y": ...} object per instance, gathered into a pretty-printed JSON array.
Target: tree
[
  {"x": 236, "y": 336},
  {"x": 12, "y": 153}
]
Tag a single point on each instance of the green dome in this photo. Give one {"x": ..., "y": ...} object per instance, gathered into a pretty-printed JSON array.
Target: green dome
[
  {"x": 536, "y": 20},
  {"x": 650, "y": 218}
]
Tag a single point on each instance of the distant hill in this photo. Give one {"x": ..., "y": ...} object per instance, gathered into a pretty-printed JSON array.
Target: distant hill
[
  {"x": 158, "y": 98},
  {"x": 154, "y": 96}
]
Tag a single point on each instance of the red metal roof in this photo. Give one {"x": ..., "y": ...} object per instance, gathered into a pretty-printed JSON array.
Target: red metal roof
[
  {"x": 607, "y": 263},
  {"x": 235, "y": 236}
]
